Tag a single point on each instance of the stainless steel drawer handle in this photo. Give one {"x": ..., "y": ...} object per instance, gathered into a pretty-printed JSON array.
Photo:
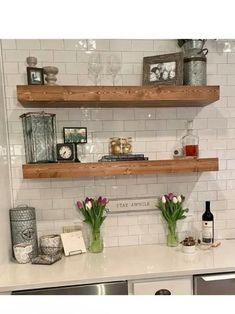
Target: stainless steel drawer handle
[
  {"x": 218, "y": 277},
  {"x": 163, "y": 292}
]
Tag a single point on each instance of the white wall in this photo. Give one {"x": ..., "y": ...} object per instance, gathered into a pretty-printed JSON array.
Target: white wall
[
  {"x": 155, "y": 131},
  {"x": 5, "y": 199}
]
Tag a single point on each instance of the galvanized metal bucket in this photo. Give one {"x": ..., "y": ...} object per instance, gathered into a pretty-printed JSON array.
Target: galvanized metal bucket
[
  {"x": 195, "y": 62},
  {"x": 23, "y": 226}
]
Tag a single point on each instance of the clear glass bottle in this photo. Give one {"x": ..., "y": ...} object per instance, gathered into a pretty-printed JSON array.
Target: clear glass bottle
[{"x": 190, "y": 142}]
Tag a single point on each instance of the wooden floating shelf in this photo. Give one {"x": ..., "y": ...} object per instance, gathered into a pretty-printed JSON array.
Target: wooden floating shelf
[
  {"x": 95, "y": 169},
  {"x": 116, "y": 96}
]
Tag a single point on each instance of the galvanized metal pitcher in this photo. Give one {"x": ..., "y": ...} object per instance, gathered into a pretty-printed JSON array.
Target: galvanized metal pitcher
[{"x": 195, "y": 62}]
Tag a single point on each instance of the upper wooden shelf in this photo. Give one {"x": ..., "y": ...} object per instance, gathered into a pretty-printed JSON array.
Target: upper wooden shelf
[
  {"x": 95, "y": 169},
  {"x": 116, "y": 96}
]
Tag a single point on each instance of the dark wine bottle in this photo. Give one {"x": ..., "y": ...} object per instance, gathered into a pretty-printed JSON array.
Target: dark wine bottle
[{"x": 207, "y": 225}]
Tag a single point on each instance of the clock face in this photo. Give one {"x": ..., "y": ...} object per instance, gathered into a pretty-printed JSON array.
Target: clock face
[{"x": 65, "y": 152}]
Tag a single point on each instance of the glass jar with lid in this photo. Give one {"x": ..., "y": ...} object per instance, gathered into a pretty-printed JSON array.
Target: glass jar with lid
[
  {"x": 190, "y": 142},
  {"x": 120, "y": 145}
]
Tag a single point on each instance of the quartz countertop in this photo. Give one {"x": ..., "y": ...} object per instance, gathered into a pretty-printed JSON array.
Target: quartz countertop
[{"x": 118, "y": 263}]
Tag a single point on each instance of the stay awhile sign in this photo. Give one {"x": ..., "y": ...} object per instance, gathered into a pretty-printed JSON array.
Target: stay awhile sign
[{"x": 132, "y": 204}]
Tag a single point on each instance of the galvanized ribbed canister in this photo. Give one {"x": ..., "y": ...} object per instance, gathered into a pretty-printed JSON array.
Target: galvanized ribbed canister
[
  {"x": 195, "y": 62},
  {"x": 23, "y": 226}
]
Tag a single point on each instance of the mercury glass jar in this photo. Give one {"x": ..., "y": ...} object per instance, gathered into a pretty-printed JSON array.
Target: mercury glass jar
[
  {"x": 39, "y": 130},
  {"x": 120, "y": 145}
]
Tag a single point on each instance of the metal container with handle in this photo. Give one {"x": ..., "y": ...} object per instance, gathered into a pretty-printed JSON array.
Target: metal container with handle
[{"x": 195, "y": 62}]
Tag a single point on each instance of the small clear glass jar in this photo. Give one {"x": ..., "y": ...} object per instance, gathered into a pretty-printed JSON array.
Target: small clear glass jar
[{"x": 120, "y": 145}]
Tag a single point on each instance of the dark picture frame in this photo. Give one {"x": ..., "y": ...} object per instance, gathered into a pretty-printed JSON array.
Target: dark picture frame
[
  {"x": 76, "y": 135},
  {"x": 35, "y": 76},
  {"x": 163, "y": 69}
]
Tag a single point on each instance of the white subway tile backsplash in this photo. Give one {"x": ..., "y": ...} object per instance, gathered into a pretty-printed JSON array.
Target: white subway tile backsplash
[
  {"x": 142, "y": 45},
  {"x": 28, "y": 44},
  {"x": 16, "y": 55},
  {"x": 123, "y": 114},
  {"x": 132, "y": 57},
  {"x": 65, "y": 56},
  {"x": 120, "y": 45},
  {"x": 154, "y": 131},
  {"x": 128, "y": 240},
  {"x": 11, "y": 67},
  {"x": 54, "y": 44},
  {"x": 167, "y": 46},
  {"x": 214, "y": 57}
]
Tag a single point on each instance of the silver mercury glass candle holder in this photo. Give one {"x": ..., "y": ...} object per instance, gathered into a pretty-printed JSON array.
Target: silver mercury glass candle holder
[
  {"x": 31, "y": 61},
  {"x": 50, "y": 73}
]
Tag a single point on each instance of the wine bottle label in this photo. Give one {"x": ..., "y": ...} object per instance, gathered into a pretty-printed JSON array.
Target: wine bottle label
[{"x": 207, "y": 232}]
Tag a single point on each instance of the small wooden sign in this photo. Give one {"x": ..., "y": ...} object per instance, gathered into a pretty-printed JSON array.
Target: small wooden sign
[{"x": 132, "y": 204}]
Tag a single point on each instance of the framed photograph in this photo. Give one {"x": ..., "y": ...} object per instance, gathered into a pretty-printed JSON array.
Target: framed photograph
[
  {"x": 163, "y": 69},
  {"x": 75, "y": 135},
  {"x": 35, "y": 76}
]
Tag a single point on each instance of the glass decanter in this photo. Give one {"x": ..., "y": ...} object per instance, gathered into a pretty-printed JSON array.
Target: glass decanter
[{"x": 190, "y": 142}]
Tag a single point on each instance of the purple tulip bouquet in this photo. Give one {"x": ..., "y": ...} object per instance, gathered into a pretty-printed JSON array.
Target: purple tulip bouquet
[{"x": 94, "y": 212}]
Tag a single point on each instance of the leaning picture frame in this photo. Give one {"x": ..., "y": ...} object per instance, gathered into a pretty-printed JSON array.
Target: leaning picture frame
[
  {"x": 76, "y": 135},
  {"x": 163, "y": 69},
  {"x": 35, "y": 76}
]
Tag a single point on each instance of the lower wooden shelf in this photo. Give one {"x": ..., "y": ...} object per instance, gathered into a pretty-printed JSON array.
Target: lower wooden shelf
[{"x": 102, "y": 169}]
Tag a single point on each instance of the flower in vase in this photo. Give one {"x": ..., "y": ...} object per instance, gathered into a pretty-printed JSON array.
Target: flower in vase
[
  {"x": 172, "y": 210},
  {"x": 94, "y": 212}
]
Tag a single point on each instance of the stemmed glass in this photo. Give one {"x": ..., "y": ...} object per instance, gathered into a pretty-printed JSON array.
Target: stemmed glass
[
  {"x": 95, "y": 66},
  {"x": 113, "y": 66}
]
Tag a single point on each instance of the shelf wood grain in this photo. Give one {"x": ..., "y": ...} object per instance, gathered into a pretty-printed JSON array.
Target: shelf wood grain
[
  {"x": 36, "y": 96},
  {"x": 102, "y": 169}
]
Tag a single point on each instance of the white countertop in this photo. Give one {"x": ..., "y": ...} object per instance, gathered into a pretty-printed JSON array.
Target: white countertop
[{"x": 118, "y": 263}]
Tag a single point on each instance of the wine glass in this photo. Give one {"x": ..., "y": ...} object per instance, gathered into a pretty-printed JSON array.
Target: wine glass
[
  {"x": 113, "y": 66},
  {"x": 95, "y": 66}
]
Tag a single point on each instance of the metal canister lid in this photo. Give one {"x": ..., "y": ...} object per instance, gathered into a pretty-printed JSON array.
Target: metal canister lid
[
  {"x": 22, "y": 213},
  {"x": 37, "y": 114}
]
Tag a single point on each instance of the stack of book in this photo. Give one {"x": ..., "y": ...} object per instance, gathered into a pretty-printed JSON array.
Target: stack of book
[{"x": 123, "y": 157}]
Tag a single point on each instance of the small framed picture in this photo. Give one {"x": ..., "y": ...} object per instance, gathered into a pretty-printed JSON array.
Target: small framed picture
[
  {"x": 35, "y": 76},
  {"x": 75, "y": 135},
  {"x": 163, "y": 69}
]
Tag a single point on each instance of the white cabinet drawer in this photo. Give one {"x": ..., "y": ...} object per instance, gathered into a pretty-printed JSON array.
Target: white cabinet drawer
[{"x": 176, "y": 286}]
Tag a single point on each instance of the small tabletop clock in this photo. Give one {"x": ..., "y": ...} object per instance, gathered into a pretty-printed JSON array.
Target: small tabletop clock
[{"x": 65, "y": 152}]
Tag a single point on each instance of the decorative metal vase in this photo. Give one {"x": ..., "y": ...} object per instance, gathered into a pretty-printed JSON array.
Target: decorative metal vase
[
  {"x": 23, "y": 226},
  {"x": 39, "y": 130},
  {"x": 194, "y": 62},
  {"x": 51, "y": 73}
]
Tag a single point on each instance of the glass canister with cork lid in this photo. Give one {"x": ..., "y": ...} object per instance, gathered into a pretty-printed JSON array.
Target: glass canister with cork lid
[{"x": 120, "y": 145}]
